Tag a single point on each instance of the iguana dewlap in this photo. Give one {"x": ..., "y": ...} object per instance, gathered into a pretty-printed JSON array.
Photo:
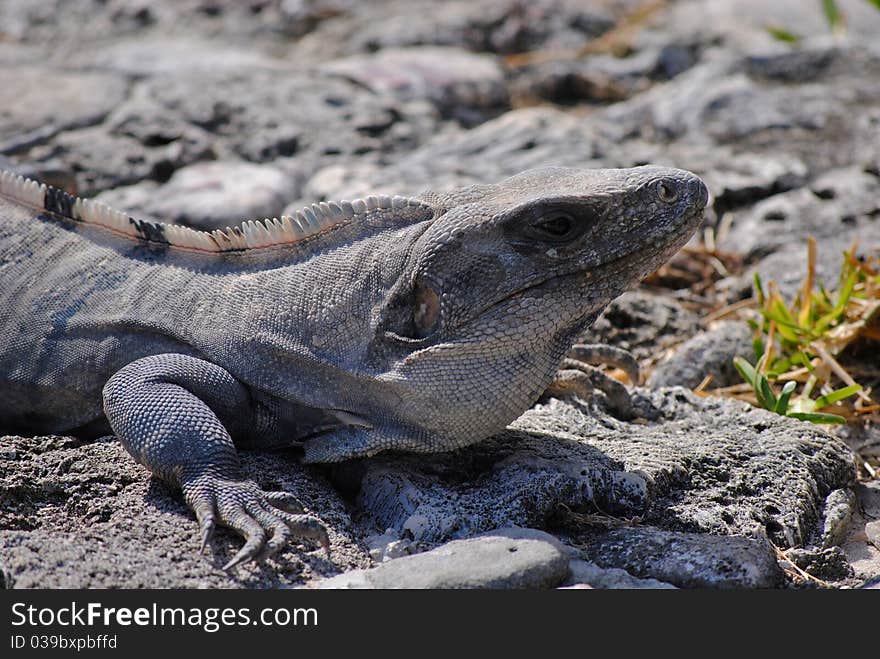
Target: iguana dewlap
[{"x": 420, "y": 324}]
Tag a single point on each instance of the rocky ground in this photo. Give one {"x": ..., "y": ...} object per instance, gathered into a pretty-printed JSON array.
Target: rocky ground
[{"x": 207, "y": 112}]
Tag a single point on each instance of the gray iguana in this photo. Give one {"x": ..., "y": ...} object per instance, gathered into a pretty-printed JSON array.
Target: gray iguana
[{"x": 418, "y": 324}]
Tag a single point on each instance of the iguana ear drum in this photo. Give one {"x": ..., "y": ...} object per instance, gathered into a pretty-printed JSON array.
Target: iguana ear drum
[{"x": 426, "y": 309}]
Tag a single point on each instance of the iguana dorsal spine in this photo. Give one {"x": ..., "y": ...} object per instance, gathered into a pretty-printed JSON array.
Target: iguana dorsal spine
[{"x": 309, "y": 222}]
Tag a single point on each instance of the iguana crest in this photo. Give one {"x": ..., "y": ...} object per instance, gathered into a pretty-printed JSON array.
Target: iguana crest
[{"x": 309, "y": 222}]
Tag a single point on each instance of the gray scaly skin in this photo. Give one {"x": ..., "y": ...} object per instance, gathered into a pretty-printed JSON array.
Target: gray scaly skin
[{"x": 419, "y": 324}]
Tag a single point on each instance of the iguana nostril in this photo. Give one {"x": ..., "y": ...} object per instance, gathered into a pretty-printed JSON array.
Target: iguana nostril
[{"x": 698, "y": 192}]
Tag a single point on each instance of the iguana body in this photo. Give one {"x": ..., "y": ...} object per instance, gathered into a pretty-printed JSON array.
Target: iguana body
[{"x": 413, "y": 324}]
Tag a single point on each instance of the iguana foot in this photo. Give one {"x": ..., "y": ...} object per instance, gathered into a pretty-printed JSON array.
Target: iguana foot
[
  {"x": 578, "y": 375},
  {"x": 255, "y": 514},
  {"x": 597, "y": 354}
]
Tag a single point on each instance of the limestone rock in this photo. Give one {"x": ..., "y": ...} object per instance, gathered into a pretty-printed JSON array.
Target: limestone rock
[{"x": 490, "y": 561}]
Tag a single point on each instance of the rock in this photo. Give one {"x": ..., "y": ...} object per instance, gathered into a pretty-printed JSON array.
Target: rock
[
  {"x": 788, "y": 266},
  {"x": 491, "y": 561},
  {"x": 210, "y": 195},
  {"x": 518, "y": 140},
  {"x": 703, "y": 465},
  {"x": 464, "y": 86},
  {"x": 601, "y": 78},
  {"x": 525, "y": 533},
  {"x": 104, "y": 160},
  {"x": 587, "y": 573},
  {"x": 741, "y": 25},
  {"x": 872, "y": 532},
  {"x": 708, "y": 353},
  {"x": 260, "y": 115},
  {"x": 37, "y": 103},
  {"x": 74, "y": 26},
  {"x": 495, "y": 26},
  {"x": 644, "y": 323},
  {"x": 839, "y": 209},
  {"x": 837, "y": 206},
  {"x": 869, "y": 498},
  {"x": 162, "y": 55},
  {"x": 728, "y": 100},
  {"x": 513, "y": 480},
  {"x": 687, "y": 560},
  {"x": 828, "y": 564},
  {"x": 264, "y": 115},
  {"x": 334, "y": 182},
  {"x": 838, "y": 511},
  {"x": 85, "y": 515},
  {"x": 388, "y": 546}
]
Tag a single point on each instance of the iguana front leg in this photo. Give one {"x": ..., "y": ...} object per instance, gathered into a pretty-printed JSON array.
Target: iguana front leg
[
  {"x": 578, "y": 375},
  {"x": 171, "y": 413}
]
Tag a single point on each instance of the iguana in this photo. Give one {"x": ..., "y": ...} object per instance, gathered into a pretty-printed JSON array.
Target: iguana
[{"x": 409, "y": 323}]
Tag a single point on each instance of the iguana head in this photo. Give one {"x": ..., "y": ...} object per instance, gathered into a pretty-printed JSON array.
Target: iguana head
[
  {"x": 504, "y": 278},
  {"x": 568, "y": 240},
  {"x": 499, "y": 284}
]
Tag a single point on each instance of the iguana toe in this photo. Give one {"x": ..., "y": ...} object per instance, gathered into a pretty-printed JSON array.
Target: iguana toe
[
  {"x": 244, "y": 507},
  {"x": 236, "y": 517},
  {"x": 600, "y": 353},
  {"x": 285, "y": 501}
]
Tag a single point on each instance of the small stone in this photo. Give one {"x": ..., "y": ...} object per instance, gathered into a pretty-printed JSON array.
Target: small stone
[
  {"x": 467, "y": 86},
  {"x": 839, "y": 508},
  {"x": 37, "y": 102},
  {"x": 210, "y": 195},
  {"x": 388, "y": 546},
  {"x": 687, "y": 559},
  {"x": 829, "y": 564},
  {"x": 708, "y": 353},
  {"x": 491, "y": 561},
  {"x": 589, "y": 575}
]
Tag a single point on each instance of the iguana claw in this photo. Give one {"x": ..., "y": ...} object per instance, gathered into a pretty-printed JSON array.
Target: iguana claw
[{"x": 253, "y": 513}]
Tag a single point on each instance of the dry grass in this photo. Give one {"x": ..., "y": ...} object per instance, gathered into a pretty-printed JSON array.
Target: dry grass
[{"x": 812, "y": 342}]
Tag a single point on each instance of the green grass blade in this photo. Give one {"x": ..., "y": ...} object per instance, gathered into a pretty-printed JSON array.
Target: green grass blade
[
  {"x": 746, "y": 370},
  {"x": 758, "y": 347},
  {"x": 802, "y": 359},
  {"x": 759, "y": 287},
  {"x": 846, "y": 292},
  {"x": 781, "y": 34},
  {"x": 778, "y": 367},
  {"x": 781, "y": 311},
  {"x": 769, "y": 398},
  {"x": 815, "y": 417},
  {"x": 787, "y": 330},
  {"x": 834, "y": 396},
  {"x": 827, "y": 320},
  {"x": 832, "y": 14},
  {"x": 782, "y": 403}
]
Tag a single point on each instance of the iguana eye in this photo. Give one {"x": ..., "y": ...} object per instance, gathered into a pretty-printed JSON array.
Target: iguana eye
[
  {"x": 667, "y": 192},
  {"x": 556, "y": 227}
]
